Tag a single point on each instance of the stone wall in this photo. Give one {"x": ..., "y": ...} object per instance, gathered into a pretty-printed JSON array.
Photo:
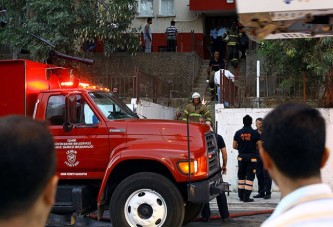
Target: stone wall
[{"x": 179, "y": 68}]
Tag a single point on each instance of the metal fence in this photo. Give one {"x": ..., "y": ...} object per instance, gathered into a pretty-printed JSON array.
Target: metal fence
[
  {"x": 228, "y": 92},
  {"x": 139, "y": 86},
  {"x": 186, "y": 42},
  {"x": 242, "y": 92},
  {"x": 152, "y": 88},
  {"x": 122, "y": 86},
  {"x": 272, "y": 86},
  {"x": 278, "y": 89},
  {"x": 273, "y": 90}
]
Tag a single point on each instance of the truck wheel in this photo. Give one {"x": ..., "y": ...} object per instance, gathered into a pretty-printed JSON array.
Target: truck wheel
[
  {"x": 146, "y": 199},
  {"x": 192, "y": 210}
]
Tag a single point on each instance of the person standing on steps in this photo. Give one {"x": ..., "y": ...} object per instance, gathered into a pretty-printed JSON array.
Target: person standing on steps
[
  {"x": 213, "y": 38},
  {"x": 147, "y": 35},
  {"x": 264, "y": 180},
  {"x": 233, "y": 45},
  {"x": 215, "y": 65},
  {"x": 221, "y": 34},
  {"x": 245, "y": 141},
  {"x": 171, "y": 33}
]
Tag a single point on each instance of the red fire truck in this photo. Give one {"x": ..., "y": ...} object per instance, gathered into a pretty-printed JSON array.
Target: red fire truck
[{"x": 146, "y": 172}]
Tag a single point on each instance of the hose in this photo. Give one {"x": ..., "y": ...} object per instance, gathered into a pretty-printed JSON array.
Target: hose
[
  {"x": 214, "y": 217},
  {"x": 239, "y": 214}
]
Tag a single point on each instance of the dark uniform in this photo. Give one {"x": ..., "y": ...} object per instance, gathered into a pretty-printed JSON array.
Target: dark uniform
[
  {"x": 233, "y": 46},
  {"x": 247, "y": 139},
  {"x": 264, "y": 180},
  {"x": 214, "y": 66},
  {"x": 220, "y": 199}
]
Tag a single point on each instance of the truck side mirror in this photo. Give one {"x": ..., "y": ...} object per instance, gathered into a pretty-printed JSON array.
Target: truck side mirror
[
  {"x": 67, "y": 127},
  {"x": 71, "y": 112}
]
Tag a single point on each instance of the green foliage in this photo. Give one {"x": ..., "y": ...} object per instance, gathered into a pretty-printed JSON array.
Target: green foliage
[
  {"x": 295, "y": 57},
  {"x": 69, "y": 24}
]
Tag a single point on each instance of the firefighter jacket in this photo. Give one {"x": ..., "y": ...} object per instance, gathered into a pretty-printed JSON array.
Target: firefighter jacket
[
  {"x": 193, "y": 113},
  {"x": 233, "y": 38}
]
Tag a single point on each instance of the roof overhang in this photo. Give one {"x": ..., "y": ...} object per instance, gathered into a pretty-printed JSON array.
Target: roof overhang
[{"x": 207, "y": 6}]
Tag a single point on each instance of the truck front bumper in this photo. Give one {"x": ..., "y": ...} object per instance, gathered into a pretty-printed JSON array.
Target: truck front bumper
[{"x": 206, "y": 190}]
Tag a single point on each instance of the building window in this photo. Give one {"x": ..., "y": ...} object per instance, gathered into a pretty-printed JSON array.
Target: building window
[
  {"x": 167, "y": 8},
  {"x": 146, "y": 8}
]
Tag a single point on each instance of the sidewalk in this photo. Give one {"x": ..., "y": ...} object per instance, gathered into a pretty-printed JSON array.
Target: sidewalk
[
  {"x": 259, "y": 204},
  {"x": 241, "y": 214}
]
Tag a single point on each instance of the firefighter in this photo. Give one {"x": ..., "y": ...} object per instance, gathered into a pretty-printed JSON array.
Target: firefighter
[
  {"x": 245, "y": 141},
  {"x": 195, "y": 110},
  {"x": 233, "y": 45}
]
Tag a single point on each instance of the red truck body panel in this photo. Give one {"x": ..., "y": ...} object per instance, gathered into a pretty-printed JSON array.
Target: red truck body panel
[
  {"x": 89, "y": 146},
  {"x": 21, "y": 82}
]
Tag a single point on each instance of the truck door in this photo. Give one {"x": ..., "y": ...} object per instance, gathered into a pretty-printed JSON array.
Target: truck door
[{"x": 83, "y": 151}]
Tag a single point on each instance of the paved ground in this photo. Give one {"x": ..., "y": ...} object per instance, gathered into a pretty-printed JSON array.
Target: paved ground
[{"x": 241, "y": 214}]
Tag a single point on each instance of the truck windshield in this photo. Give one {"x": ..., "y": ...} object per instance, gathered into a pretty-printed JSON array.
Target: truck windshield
[{"x": 111, "y": 106}]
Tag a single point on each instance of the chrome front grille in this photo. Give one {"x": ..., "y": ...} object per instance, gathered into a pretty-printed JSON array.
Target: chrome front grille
[{"x": 212, "y": 153}]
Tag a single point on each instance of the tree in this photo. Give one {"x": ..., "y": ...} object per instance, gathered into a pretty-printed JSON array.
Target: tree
[
  {"x": 299, "y": 58},
  {"x": 69, "y": 25}
]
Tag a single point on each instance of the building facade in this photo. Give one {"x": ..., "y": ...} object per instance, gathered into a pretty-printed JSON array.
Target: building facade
[{"x": 194, "y": 19}]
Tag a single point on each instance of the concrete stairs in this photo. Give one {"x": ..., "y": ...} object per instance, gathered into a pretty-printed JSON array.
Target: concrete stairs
[{"x": 200, "y": 83}]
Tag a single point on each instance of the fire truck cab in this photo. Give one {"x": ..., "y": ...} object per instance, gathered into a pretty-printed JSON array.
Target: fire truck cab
[{"x": 142, "y": 170}]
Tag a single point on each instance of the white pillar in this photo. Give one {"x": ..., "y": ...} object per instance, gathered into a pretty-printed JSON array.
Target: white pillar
[{"x": 258, "y": 77}]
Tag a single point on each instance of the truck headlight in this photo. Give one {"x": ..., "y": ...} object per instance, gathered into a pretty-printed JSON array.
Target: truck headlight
[{"x": 185, "y": 167}]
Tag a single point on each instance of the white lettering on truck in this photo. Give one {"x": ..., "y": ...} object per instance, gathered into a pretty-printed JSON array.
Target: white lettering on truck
[{"x": 73, "y": 144}]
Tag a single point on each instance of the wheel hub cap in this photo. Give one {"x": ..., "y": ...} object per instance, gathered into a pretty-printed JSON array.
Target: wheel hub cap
[{"x": 145, "y": 207}]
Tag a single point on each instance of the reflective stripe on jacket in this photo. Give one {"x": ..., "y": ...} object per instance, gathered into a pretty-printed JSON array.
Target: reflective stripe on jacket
[{"x": 193, "y": 113}]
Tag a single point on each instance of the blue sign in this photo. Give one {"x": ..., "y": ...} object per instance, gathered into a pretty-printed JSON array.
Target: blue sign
[{"x": 288, "y": 1}]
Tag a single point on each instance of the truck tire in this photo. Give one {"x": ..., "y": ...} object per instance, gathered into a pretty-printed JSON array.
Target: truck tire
[
  {"x": 146, "y": 199},
  {"x": 192, "y": 210}
]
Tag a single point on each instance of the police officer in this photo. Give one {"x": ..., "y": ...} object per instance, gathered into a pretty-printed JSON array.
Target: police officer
[
  {"x": 245, "y": 141},
  {"x": 264, "y": 180},
  {"x": 196, "y": 109}
]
